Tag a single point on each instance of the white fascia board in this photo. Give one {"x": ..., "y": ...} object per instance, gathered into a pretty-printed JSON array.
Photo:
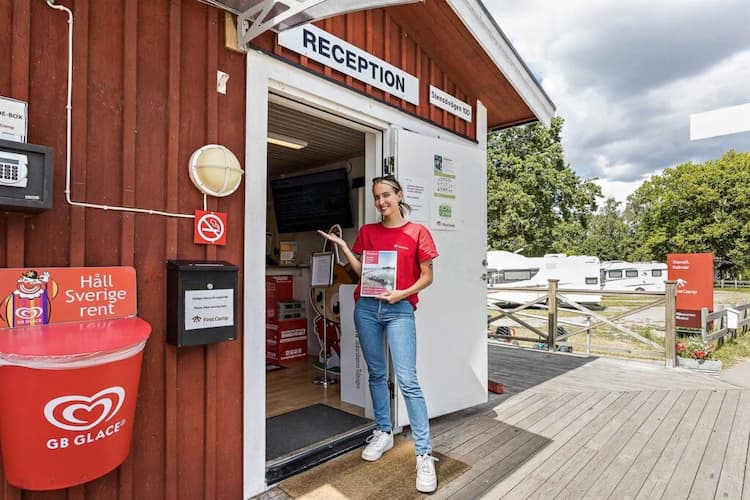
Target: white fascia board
[
  {"x": 477, "y": 20},
  {"x": 722, "y": 121}
]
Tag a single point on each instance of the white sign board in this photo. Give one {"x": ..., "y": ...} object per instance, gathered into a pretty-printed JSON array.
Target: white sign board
[
  {"x": 319, "y": 45},
  {"x": 322, "y": 269},
  {"x": 721, "y": 121},
  {"x": 13, "y": 119},
  {"x": 209, "y": 308},
  {"x": 354, "y": 375},
  {"x": 449, "y": 103}
]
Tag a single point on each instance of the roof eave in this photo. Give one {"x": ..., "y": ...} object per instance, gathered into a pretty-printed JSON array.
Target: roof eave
[{"x": 480, "y": 23}]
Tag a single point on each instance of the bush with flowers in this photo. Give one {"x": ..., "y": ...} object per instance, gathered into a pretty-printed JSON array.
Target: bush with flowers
[{"x": 695, "y": 349}]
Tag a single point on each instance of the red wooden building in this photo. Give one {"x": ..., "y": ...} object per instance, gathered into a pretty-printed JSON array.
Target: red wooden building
[{"x": 144, "y": 98}]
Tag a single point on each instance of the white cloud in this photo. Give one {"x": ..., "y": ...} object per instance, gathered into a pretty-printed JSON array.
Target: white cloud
[
  {"x": 626, "y": 76},
  {"x": 619, "y": 190}
]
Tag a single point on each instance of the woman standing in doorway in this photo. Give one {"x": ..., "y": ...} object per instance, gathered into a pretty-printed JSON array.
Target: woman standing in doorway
[{"x": 390, "y": 317}]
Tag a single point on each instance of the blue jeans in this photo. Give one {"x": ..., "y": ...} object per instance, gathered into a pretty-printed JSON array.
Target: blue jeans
[{"x": 376, "y": 321}]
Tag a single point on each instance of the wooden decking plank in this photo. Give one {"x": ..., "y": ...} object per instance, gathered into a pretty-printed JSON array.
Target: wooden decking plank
[
  {"x": 682, "y": 479},
  {"x": 553, "y": 412},
  {"x": 531, "y": 410},
  {"x": 547, "y": 427},
  {"x": 479, "y": 423},
  {"x": 492, "y": 426},
  {"x": 633, "y": 441},
  {"x": 493, "y": 454},
  {"x": 709, "y": 470},
  {"x": 547, "y": 474},
  {"x": 636, "y": 429},
  {"x": 735, "y": 476},
  {"x": 527, "y": 478},
  {"x": 631, "y": 467},
  {"x": 661, "y": 472}
]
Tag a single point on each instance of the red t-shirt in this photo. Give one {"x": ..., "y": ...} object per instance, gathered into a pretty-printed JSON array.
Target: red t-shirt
[{"x": 413, "y": 244}]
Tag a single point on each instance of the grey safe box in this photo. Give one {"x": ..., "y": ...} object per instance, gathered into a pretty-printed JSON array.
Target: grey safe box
[{"x": 25, "y": 176}]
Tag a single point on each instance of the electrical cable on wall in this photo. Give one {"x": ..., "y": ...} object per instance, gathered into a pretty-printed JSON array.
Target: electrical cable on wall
[{"x": 69, "y": 108}]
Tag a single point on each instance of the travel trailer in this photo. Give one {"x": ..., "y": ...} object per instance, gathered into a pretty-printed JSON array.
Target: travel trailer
[
  {"x": 507, "y": 271},
  {"x": 618, "y": 275}
]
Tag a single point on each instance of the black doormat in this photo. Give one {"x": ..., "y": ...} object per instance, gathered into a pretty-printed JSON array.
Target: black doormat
[{"x": 301, "y": 428}]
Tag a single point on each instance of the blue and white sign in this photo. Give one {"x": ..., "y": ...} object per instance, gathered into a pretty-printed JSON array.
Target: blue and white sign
[
  {"x": 449, "y": 103},
  {"x": 319, "y": 45}
]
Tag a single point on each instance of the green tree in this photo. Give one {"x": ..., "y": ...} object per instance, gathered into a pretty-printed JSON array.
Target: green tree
[
  {"x": 608, "y": 235},
  {"x": 534, "y": 199},
  {"x": 695, "y": 208}
]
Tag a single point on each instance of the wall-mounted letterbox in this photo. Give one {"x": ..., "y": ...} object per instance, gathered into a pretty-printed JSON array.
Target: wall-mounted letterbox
[
  {"x": 25, "y": 176},
  {"x": 201, "y": 302}
]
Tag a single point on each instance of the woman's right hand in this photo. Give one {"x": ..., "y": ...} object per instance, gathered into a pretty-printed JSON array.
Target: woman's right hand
[{"x": 333, "y": 238}]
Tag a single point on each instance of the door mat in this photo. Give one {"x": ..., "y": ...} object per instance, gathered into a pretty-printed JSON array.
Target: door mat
[
  {"x": 301, "y": 428},
  {"x": 271, "y": 367},
  {"x": 350, "y": 477}
]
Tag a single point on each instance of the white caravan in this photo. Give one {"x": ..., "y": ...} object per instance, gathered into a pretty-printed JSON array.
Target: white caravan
[
  {"x": 508, "y": 270},
  {"x": 618, "y": 275}
]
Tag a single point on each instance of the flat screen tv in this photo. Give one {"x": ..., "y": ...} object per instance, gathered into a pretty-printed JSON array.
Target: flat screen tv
[{"x": 312, "y": 201}]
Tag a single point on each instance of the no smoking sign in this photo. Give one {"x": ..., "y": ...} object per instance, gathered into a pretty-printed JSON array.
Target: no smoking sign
[{"x": 210, "y": 228}]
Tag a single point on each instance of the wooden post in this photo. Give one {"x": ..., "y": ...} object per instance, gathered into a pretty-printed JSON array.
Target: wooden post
[
  {"x": 670, "y": 323},
  {"x": 552, "y": 314},
  {"x": 704, "y": 322},
  {"x": 588, "y": 335}
]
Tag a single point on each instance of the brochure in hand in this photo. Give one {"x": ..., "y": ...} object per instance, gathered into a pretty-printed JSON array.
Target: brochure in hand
[{"x": 378, "y": 272}]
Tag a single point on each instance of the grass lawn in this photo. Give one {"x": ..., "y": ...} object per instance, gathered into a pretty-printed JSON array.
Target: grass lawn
[{"x": 733, "y": 350}]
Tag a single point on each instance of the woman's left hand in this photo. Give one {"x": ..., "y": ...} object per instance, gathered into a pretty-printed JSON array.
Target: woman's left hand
[{"x": 393, "y": 297}]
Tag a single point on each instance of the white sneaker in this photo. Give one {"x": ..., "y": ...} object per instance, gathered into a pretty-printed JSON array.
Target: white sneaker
[
  {"x": 426, "y": 475},
  {"x": 378, "y": 443}
]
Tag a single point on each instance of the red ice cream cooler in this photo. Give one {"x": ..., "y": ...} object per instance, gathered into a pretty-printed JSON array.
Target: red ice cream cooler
[{"x": 67, "y": 400}]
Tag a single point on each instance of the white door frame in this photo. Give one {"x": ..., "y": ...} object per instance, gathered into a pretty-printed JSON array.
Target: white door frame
[{"x": 266, "y": 75}]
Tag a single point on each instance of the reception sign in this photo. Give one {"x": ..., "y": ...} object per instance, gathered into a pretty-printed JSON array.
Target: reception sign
[{"x": 694, "y": 274}]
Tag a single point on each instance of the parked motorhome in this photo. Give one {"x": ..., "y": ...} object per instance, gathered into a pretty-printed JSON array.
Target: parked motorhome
[
  {"x": 508, "y": 271},
  {"x": 618, "y": 275}
]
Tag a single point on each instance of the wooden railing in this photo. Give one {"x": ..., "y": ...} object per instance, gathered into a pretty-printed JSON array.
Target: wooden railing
[
  {"x": 731, "y": 321},
  {"x": 731, "y": 284},
  {"x": 551, "y": 298}
]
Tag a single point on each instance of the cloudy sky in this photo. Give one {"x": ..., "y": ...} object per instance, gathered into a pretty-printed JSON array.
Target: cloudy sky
[{"x": 626, "y": 76}]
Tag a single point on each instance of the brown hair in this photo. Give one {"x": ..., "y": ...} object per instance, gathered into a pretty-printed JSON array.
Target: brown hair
[{"x": 391, "y": 180}]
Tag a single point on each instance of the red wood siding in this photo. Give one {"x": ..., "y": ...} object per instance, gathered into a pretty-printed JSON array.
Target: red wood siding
[
  {"x": 378, "y": 33},
  {"x": 143, "y": 100}
]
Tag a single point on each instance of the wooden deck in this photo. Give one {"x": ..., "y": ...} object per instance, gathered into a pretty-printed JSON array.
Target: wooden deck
[{"x": 571, "y": 427}]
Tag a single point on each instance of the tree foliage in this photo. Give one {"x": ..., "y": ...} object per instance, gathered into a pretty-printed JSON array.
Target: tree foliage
[
  {"x": 535, "y": 200},
  {"x": 694, "y": 208},
  {"x": 608, "y": 235}
]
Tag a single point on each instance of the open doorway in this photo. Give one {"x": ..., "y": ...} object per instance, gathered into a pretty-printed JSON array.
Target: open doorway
[{"x": 317, "y": 166}]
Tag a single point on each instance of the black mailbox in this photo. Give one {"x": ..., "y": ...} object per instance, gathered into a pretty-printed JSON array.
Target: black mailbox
[
  {"x": 201, "y": 302},
  {"x": 25, "y": 176}
]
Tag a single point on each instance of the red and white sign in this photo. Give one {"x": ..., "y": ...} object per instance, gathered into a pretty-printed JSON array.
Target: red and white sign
[
  {"x": 44, "y": 295},
  {"x": 210, "y": 228},
  {"x": 694, "y": 274}
]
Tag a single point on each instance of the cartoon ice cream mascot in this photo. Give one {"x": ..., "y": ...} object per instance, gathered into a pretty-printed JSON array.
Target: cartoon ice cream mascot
[{"x": 30, "y": 303}]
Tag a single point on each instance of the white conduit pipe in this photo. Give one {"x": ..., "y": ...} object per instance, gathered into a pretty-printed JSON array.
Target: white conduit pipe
[{"x": 69, "y": 108}]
